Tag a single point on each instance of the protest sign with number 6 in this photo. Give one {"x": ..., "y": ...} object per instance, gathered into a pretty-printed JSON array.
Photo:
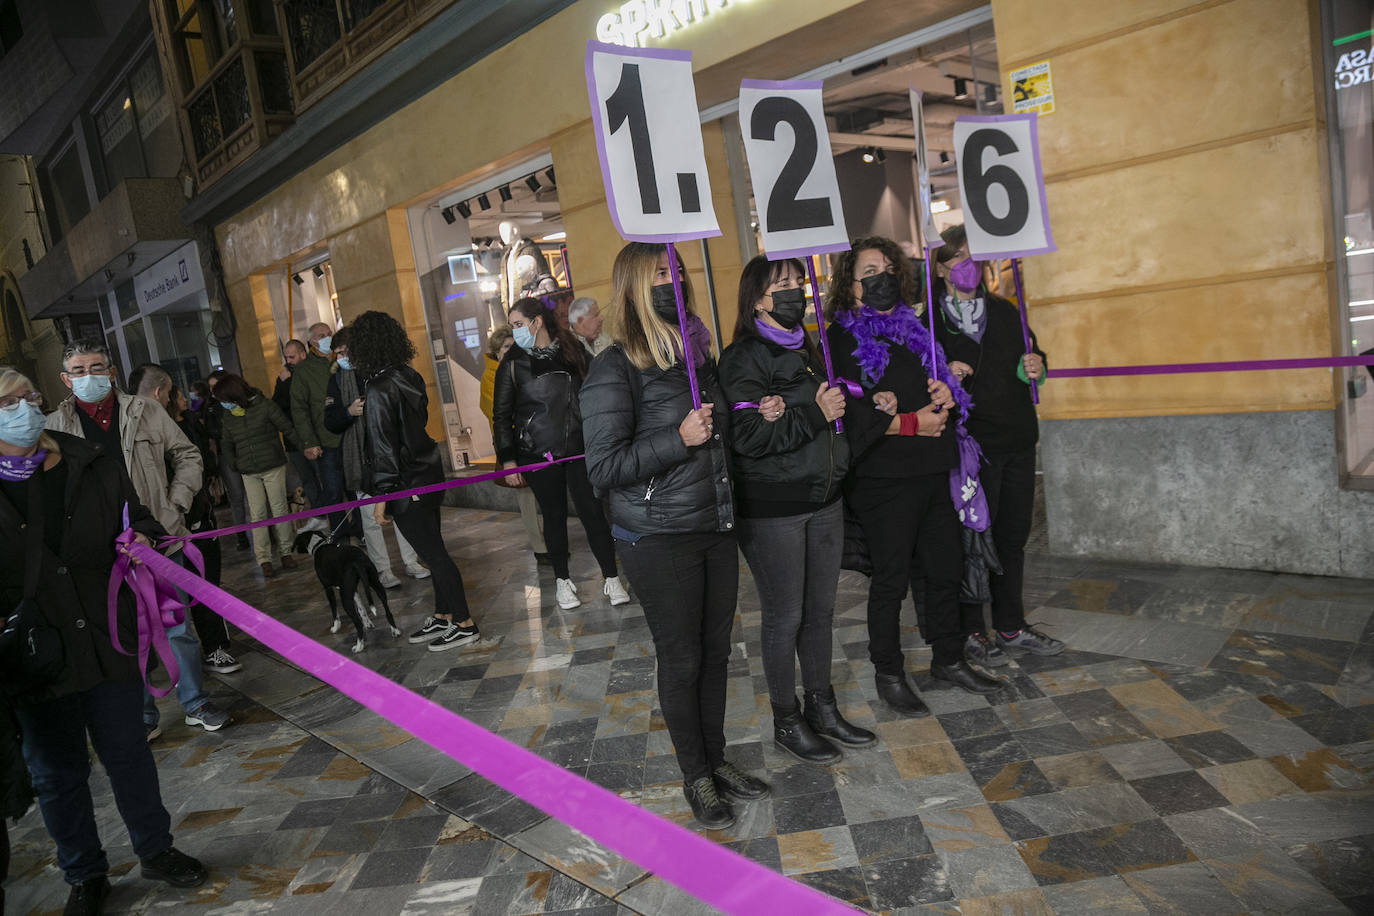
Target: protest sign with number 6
[
  {"x": 648, "y": 135},
  {"x": 1001, "y": 186},
  {"x": 791, "y": 167}
]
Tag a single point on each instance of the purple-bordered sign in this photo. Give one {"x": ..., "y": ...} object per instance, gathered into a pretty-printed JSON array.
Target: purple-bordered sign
[
  {"x": 792, "y": 168},
  {"x": 1002, "y": 186},
  {"x": 648, "y": 138}
]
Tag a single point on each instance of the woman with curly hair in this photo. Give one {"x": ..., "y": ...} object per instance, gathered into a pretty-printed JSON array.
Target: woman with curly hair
[
  {"x": 400, "y": 455},
  {"x": 903, "y": 450}
]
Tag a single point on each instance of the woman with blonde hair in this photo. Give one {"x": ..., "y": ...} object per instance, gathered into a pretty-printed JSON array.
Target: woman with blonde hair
[{"x": 665, "y": 470}]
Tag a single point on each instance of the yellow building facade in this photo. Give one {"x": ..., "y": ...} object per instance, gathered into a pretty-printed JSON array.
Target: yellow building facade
[{"x": 1188, "y": 188}]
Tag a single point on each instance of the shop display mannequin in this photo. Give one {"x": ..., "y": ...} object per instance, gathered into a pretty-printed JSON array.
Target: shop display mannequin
[
  {"x": 532, "y": 281},
  {"x": 512, "y": 285}
]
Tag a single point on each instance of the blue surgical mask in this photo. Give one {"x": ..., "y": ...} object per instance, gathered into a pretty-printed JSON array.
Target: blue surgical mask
[
  {"x": 91, "y": 388},
  {"x": 228, "y": 405},
  {"x": 345, "y": 363},
  {"x": 21, "y": 424},
  {"x": 524, "y": 338},
  {"x": 323, "y": 343}
]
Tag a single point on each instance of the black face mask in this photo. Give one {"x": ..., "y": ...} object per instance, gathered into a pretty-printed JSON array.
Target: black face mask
[
  {"x": 665, "y": 304},
  {"x": 881, "y": 291},
  {"x": 789, "y": 305}
]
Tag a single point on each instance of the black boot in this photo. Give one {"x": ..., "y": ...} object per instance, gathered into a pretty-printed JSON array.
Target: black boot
[
  {"x": 794, "y": 735},
  {"x": 894, "y": 690},
  {"x": 823, "y": 715}
]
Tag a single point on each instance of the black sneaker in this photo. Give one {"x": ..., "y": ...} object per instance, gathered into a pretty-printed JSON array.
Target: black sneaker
[
  {"x": 176, "y": 868},
  {"x": 979, "y": 650},
  {"x": 221, "y": 662},
  {"x": 737, "y": 784},
  {"x": 455, "y": 636},
  {"x": 710, "y": 810},
  {"x": 88, "y": 897},
  {"x": 1031, "y": 640},
  {"x": 431, "y": 628}
]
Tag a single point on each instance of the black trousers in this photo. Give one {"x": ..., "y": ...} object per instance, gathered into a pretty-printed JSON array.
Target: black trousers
[
  {"x": 688, "y": 584},
  {"x": 210, "y": 627},
  {"x": 551, "y": 487},
  {"x": 418, "y": 520},
  {"x": 913, "y": 535},
  {"x": 1009, "y": 484}
]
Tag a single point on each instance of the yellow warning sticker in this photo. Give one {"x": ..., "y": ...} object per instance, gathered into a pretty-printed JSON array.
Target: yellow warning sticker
[{"x": 1032, "y": 89}]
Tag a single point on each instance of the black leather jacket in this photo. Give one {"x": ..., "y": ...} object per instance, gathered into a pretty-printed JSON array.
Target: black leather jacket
[
  {"x": 534, "y": 408},
  {"x": 654, "y": 483},
  {"x": 796, "y": 459},
  {"x": 399, "y": 453}
]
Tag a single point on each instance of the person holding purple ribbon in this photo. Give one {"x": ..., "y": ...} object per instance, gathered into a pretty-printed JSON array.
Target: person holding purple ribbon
[
  {"x": 981, "y": 333},
  {"x": 789, "y": 466},
  {"x": 534, "y": 413},
  {"x": 904, "y": 444},
  {"x": 665, "y": 470},
  {"x": 62, "y": 505},
  {"x": 400, "y": 455}
]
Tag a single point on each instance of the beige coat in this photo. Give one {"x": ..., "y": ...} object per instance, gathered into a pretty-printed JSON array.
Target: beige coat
[{"x": 151, "y": 441}]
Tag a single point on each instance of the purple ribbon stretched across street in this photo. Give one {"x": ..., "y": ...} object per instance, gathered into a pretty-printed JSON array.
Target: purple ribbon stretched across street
[
  {"x": 710, "y": 872},
  {"x": 1249, "y": 365}
]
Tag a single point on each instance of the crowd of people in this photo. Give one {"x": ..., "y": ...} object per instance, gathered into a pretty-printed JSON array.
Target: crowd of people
[{"x": 778, "y": 462}]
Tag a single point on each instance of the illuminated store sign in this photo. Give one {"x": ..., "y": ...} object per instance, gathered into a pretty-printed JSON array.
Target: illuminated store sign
[
  {"x": 637, "y": 21},
  {"x": 1354, "y": 68}
]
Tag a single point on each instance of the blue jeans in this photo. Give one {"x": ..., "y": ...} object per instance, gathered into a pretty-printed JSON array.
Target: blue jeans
[
  {"x": 191, "y": 685},
  {"x": 55, "y": 734},
  {"x": 329, "y": 475}
]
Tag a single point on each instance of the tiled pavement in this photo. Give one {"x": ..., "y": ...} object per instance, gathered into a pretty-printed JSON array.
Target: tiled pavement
[{"x": 1207, "y": 746}]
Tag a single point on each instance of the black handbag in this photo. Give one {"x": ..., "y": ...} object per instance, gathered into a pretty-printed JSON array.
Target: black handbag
[{"x": 31, "y": 652}]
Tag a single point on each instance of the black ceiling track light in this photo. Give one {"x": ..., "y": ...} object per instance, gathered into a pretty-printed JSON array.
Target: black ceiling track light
[
  {"x": 448, "y": 215},
  {"x": 298, "y": 278},
  {"x": 483, "y": 201},
  {"x": 317, "y": 270},
  {"x": 464, "y": 209},
  {"x": 504, "y": 191},
  {"x": 532, "y": 183}
]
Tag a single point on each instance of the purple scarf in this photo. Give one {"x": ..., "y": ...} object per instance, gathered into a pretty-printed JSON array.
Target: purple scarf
[
  {"x": 792, "y": 339},
  {"x": 15, "y": 468},
  {"x": 874, "y": 333}
]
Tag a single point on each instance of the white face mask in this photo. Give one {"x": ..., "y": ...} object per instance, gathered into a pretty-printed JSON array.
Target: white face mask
[{"x": 91, "y": 388}]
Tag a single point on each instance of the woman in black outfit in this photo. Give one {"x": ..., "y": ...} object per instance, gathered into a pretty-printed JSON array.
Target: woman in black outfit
[
  {"x": 981, "y": 335},
  {"x": 788, "y": 466},
  {"x": 400, "y": 456},
  {"x": 903, "y": 452},
  {"x": 664, "y": 468},
  {"x": 534, "y": 412}
]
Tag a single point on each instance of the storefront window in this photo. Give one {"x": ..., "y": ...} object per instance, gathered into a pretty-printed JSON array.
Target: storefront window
[
  {"x": 476, "y": 252},
  {"x": 1349, "y": 48}
]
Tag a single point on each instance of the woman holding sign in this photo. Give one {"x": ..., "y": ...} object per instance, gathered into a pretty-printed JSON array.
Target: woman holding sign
[
  {"x": 788, "y": 469},
  {"x": 903, "y": 450},
  {"x": 664, "y": 468},
  {"x": 535, "y": 413},
  {"x": 981, "y": 333}
]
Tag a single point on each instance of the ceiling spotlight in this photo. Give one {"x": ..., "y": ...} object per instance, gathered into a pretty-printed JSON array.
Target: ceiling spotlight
[
  {"x": 504, "y": 191},
  {"x": 448, "y": 215},
  {"x": 548, "y": 173},
  {"x": 944, "y": 158},
  {"x": 483, "y": 202},
  {"x": 532, "y": 183},
  {"x": 298, "y": 278},
  {"x": 960, "y": 88},
  {"x": 989, "y": 93},
  {"x": 880, "y": 154},
  {"x": 464, "y": 209},
  {"x": 317, "y": 270},
  {"x": 870, "y": 155}
]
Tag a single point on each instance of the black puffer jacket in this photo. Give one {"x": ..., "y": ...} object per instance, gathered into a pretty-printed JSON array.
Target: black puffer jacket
[
  {"x": 74, "y": 579},
  {"x": 795, "y": 463},
  {"x": 399, "y": 453},
  {"x": 655, "y": 483},
  {"x": 534, "y": 407}
]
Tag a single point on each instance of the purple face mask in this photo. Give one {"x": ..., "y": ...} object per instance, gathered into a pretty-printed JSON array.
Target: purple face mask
[{"x": 964, "y": 274}]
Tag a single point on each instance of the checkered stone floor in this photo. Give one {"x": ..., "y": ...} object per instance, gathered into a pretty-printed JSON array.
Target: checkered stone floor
[{"x": 1206, "y": 745}]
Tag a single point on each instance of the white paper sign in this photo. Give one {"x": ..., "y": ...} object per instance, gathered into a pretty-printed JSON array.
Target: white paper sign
[
  {"x": 648, "y": 135},
  {"x": 925, "y": 216},
  {"x": 1001, "y": 186},
  {"x": 792, "y": 168}
]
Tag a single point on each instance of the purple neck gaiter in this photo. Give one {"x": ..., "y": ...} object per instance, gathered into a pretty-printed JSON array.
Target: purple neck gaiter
[
  {"x": 792, "y": 339},
  {"x": 21, "y": 467}
]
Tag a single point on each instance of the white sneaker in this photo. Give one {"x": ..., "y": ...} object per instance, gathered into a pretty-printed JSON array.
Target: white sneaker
[
  {"x": 614, "y": 590},
  {"x": 418, "y": 572},
  {"x": 567, "y": 594},
  {"x": 389, "y": 580}
]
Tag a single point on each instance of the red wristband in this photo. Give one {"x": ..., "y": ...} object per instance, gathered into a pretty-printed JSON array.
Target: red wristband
[{"x": 910, "y": 422}]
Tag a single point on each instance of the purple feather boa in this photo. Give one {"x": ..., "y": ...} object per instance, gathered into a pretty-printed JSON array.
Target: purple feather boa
[{"x": 874, "y": 332}]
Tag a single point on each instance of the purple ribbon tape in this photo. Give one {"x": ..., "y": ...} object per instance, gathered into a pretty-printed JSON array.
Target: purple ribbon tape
[
  {"x": 157, "y": 607},
  {"x": 854, "y": 392},
  {"x": 1250, "y": 365},
  {"x": 711, "y": 873},
  {"x": 548, "y": 462}
]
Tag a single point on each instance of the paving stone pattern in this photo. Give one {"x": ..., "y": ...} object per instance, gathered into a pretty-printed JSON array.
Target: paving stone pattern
[{"x": 1206, "y": 745}]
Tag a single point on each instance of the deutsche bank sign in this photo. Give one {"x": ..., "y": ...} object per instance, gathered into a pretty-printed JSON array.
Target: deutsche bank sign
[{"x": 171, "y": 279}]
